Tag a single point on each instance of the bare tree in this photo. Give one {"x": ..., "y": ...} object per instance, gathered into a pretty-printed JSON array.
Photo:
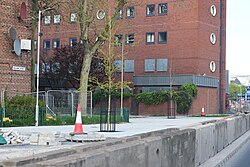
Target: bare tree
[{"x": 91, "y": 38}]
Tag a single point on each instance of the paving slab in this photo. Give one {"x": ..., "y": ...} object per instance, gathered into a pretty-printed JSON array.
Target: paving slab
[{"x": 135, "y": 126}]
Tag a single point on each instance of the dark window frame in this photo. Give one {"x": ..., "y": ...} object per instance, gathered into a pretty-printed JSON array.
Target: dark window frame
[
  {"x": 147, "y": 38},
  {"x": 57, "y": 46},
  {"x": 130, "y": 7},
  {"x": 73, "y": 43},
  {"x": 147, "y": 10},
  {"x": 128, "y": 41},
  {"x": 44, "y": 43},
  {"x": 159, "y": 8},
  {"x": 120, "y": 16},
  {"x": 164, "y": 42}
]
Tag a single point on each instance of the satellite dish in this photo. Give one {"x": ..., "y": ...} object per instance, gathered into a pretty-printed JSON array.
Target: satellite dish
[
  {"x": 17, "y": 47},
  {"x": 23, "y": 11},
  {"x": 12, "y": 33}
]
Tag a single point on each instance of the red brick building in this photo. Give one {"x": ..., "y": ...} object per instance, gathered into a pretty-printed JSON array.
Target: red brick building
[
  {"x": 169, "y": 42},
  {"x": 15, "y": 69}
]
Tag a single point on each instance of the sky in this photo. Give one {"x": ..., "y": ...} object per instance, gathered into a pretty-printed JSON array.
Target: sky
[{"x": 238, "y": 37}]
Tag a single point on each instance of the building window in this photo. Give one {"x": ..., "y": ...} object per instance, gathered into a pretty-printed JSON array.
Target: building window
[
  {"x": 45, "y": 68},
  {"x": 56, "y": 43},
  {"x": 130, "y": 39},
  {"x": 35, "y": 44},
  {"x": 118, "y": 65},
  {"x": 162, "y": 37},
  {"x": 131, "y": 11},
  {"x": 120, "y": 14},
  {"x": 46, "y": 44},
  {"x": 73, "y": 17},
  {"x": 72, "y": 42},
  {"x": 118, "y": 40},
  {"x": 149, "y": 65},
  {"x": 47, "y": 20},
  {"x": 150, "y": 38},
  {"x": 57, "y": 19},
  {"x": 129, "y": 66},
  {"x": 162, "y": 65},
  {"x": 163, "y": 8},
  {"x": 150, "y": 10}
]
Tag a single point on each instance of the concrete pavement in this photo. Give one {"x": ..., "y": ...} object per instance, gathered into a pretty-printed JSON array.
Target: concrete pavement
[{"x": 137, "y": 125}]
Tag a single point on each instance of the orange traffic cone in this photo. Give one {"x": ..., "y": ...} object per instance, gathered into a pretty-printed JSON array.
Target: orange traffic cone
[
  {"x": 203, "y": 112},
  {"x": 78, "y": 125}
]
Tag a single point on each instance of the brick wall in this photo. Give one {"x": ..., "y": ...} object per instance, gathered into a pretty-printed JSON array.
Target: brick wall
[
  {"x": 10, "y": 79},
  {"x": 188, "y": 48}
]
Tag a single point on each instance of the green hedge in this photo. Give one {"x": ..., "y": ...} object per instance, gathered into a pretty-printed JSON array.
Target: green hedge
[{"x": 183, "y": 97}]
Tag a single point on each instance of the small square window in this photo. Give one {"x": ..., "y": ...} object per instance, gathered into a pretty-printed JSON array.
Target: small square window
[
  {"x": 150, "y": 38},
  {"x": 129, "y": 66},
  {"x": 150, "y": 10},
  {"x": 57, "y": 19},
  {"x": 73, "y": 17},
  {"x": 118, "y": 40},
  {"x": 56, "y": 43},
  {"x": 162, "y": 37},
  {"x": 130, "y": 39},
  {"x": 47, "y": 20},
  {"x": 149, "y": 65},
  {"x": 120, "y": 14},
  {"x": 72, "y": 42},
  {"x": 118, "y": 65},
  {"x": 162, "y": 65},
  {"x": 163, "y": 8},
  {"x": 131, "y": 11},
  {"x": 46, "y": 44}
]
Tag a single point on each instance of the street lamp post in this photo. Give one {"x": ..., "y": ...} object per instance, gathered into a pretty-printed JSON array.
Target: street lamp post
[
  {"x": 37, "y": 63},
  {"x": 122, "y": 78}
]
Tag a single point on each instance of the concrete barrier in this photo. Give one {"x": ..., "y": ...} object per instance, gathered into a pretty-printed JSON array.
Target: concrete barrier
[{"x": 165, "y": 148}]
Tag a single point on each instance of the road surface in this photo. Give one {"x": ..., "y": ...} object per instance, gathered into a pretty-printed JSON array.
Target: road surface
[{"x": 241, "y": 158}]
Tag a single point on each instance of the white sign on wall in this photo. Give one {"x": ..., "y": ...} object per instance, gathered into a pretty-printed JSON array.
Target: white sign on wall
[{"x": 17, "y": 68}]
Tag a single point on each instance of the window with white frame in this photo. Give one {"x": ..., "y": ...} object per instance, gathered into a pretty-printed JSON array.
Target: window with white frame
[
  {"x": 129, "y": 66},
  {"x": 150, "y": 10},
  {"x": 47, "y": 20},
  {"x": 163, "y": 8},
  {"x": 162, "y": 37},
  {"x": 149, "y": 65},
  {"x": 57, "y": 19},
  {"x": 130, "y": 39},
  {"x": 73, "y": 17},
  {"x": 130, "y": 11},
  {"x": 162, "y": 65},
  {"x": 56, "y": 43},
  {"x": 150, "y": 38}
]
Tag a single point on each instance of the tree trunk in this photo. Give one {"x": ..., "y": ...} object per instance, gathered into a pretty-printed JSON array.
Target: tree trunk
[
  {"x": 84, "y": 82},
  {"x": 33, "y": 53}
]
